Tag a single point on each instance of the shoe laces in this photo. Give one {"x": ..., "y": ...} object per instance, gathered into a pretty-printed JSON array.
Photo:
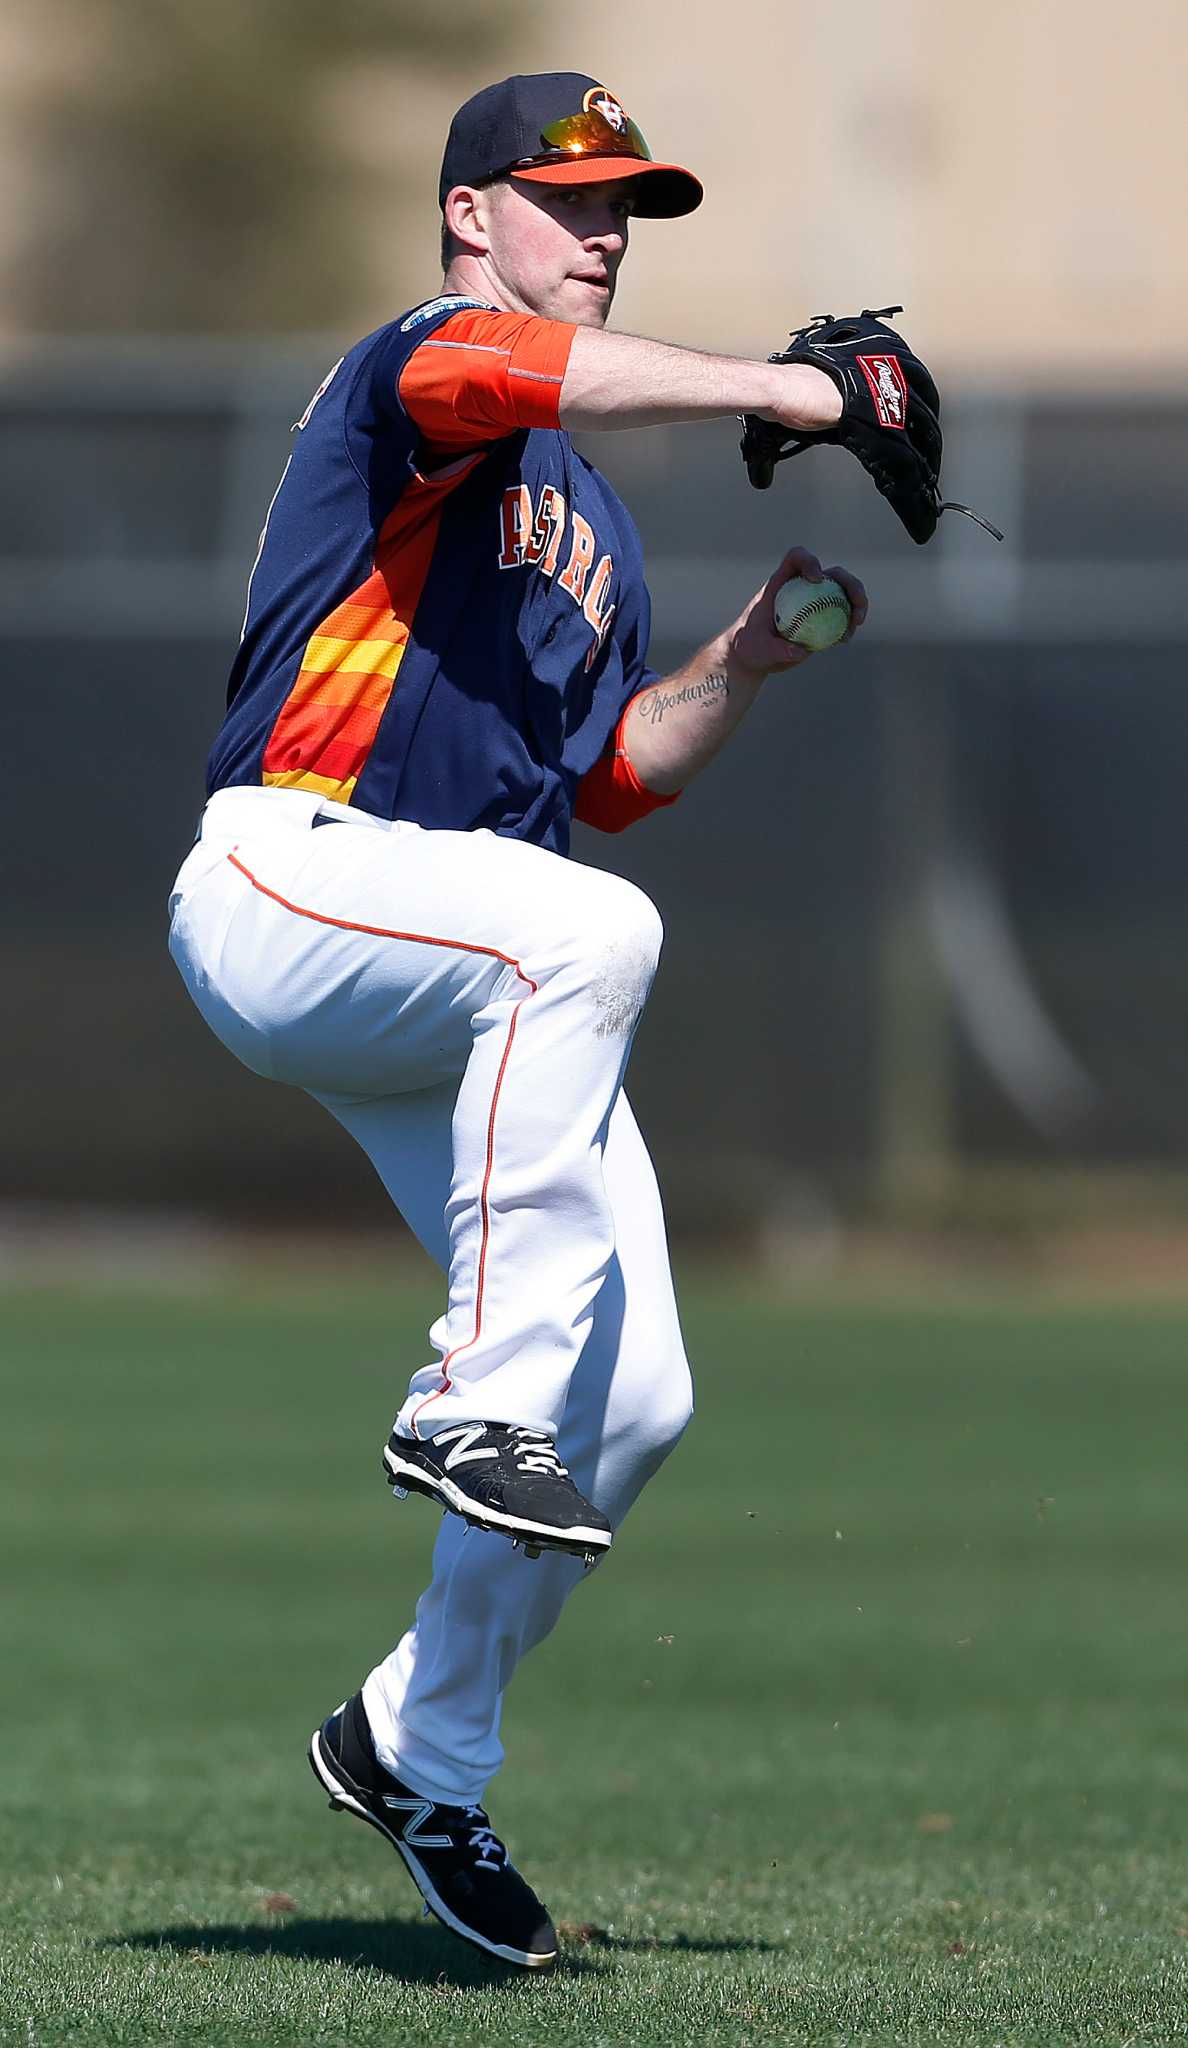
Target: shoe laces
[
  {"x": 535, "y": 1451},
  {"x": 491, "y": 1854}
]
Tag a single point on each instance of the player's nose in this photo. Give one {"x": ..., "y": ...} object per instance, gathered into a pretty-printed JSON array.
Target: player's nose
[{"x": 610, "y": 239}]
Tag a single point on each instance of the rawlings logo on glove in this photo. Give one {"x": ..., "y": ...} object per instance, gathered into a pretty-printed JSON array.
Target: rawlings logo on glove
[
  {"x": 890, "y": 417},
  {"x": 888, "y": 388}
]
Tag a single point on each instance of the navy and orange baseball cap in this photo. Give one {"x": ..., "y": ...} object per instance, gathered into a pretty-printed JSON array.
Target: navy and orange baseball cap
[{"x": 560, "y": 128}]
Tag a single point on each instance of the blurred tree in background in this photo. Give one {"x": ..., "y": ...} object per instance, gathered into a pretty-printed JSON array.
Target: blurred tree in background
[{"x": 232, "y": 166}]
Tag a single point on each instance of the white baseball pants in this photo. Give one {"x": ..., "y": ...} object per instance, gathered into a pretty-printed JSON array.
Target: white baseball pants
[{"x": 464, "y": 1005}]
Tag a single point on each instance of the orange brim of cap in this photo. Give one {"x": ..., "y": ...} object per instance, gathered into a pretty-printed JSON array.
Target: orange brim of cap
[{"x": 666, "y": 191}]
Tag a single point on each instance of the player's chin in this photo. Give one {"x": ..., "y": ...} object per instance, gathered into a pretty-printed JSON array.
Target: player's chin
[{"x": 588, "y": 305}]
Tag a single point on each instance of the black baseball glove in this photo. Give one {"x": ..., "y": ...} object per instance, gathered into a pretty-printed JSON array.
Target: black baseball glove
[{"x": 890, "y": 416}]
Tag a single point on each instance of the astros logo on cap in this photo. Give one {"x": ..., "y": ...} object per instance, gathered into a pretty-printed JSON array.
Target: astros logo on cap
[{"x": 599, "y": 101}]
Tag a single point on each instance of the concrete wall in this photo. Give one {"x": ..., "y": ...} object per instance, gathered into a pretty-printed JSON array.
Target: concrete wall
[{"x": 1013, "y": 173}]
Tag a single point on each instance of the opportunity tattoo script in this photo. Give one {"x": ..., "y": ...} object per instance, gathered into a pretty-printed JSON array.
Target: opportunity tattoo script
[{"x": 657, "y": 702}]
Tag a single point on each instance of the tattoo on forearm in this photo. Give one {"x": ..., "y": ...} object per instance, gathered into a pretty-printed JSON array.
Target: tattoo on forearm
[{"x": 656, "y": 703}]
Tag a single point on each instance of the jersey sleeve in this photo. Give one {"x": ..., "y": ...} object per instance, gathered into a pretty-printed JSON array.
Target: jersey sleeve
[
  {"x": 610, "y": 796},
  {"x": 481, "y": 375}
]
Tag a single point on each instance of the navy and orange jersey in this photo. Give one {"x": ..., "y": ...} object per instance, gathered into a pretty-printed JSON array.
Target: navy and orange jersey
[{"x": 447, "y": 616}]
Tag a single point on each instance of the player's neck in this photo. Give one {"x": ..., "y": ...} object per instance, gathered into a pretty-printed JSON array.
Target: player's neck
[{"x": 475, "y": 279}]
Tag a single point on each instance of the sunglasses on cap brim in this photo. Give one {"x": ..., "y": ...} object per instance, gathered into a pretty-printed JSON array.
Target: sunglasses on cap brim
[{"x": 581, "y": 136}]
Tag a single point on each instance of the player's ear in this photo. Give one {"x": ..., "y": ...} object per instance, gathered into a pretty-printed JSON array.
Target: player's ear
[{"x": 468, "y": 213}]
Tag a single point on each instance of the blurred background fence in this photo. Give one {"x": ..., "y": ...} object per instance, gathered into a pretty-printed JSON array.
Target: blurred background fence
[
  {"x": 927, "y": 913},
  {"x": 925, "y": 916}
]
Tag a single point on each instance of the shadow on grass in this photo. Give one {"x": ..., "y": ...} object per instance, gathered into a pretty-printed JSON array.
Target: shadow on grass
[{"x": 415, "y": 1953}]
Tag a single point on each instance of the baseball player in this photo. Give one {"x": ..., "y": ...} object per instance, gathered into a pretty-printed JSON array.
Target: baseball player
[{"x": 443, "y": 662}]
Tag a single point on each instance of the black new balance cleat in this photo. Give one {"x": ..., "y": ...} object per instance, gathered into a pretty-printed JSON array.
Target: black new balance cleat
[
  {"x": 460, "y": 1868},
  {"x": 506, "y": 1479}
]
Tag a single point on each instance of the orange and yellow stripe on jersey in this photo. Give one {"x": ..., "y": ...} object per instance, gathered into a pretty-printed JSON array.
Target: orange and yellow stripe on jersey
[
  {"x": 328, "y": 722},
  {"x": 478, "y": 376}
]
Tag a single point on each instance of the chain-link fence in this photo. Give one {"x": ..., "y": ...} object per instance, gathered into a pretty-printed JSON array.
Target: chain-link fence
[{"x": 927, "y": 909}]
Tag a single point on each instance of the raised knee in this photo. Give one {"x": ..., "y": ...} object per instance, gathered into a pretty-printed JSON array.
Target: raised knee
[
  {"x": 603, "y": 944},
  {"x": 639, "y": 923},
  {"x": 623, "y": 954}
]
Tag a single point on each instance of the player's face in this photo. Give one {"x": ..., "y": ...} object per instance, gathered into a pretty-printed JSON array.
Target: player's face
[{"x": 556, "y": 249}]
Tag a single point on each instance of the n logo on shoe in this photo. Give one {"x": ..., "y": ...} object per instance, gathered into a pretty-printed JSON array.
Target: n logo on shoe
[
  {"x": 418, "y": 1811},
  {"x": 462, "y": 1438}
]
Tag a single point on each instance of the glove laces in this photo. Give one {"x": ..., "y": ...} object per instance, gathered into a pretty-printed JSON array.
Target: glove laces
[{"x": 951, "y": 505}]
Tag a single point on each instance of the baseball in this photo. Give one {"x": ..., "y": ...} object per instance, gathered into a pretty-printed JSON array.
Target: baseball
[{"x": 814, "y": 615}]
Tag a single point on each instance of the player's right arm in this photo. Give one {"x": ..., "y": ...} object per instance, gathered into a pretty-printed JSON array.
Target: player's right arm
[
  {"x": 623, "y": 380},
  {"x": 672, "y": 729}
]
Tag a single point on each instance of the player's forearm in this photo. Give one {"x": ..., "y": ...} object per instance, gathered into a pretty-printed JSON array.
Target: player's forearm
[
  {"x": 622, "y": 380},
  {"x": 674, "y": 729}
]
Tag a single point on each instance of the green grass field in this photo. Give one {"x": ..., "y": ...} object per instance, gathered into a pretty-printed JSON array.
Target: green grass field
[{"x": 873, "y": 1728}]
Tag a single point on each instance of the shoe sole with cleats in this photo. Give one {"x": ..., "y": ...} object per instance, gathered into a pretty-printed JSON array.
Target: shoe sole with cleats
[{"x": 405, "y": 1477}]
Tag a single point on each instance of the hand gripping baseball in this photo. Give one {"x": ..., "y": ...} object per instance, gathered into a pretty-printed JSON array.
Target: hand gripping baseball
[{"x": 890, "y": 416}]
